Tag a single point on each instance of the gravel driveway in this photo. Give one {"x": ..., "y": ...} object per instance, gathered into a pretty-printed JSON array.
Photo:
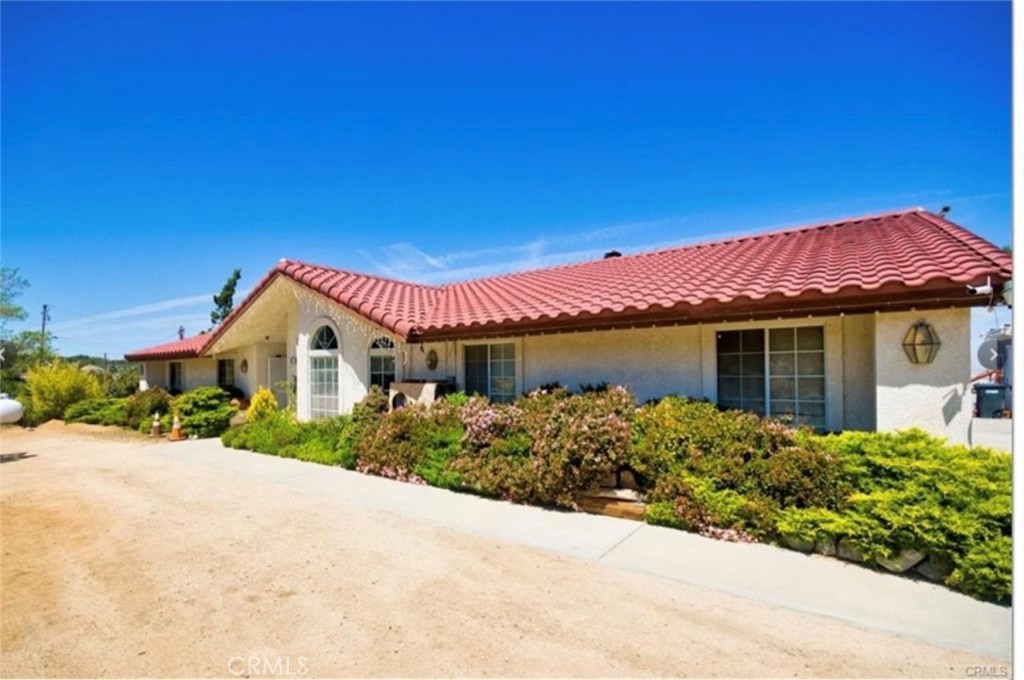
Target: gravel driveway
[{"x": 118, "y": 562}]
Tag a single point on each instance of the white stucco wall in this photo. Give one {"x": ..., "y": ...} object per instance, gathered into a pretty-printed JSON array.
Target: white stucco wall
[
  {"x": 936, "y": 396},
  {"x": 652, "y": 362},
  {"x": 354, "y": 339},
  {"x": 858, "y": 339}
]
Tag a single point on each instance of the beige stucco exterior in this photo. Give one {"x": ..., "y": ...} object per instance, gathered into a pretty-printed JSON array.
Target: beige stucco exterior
[
  {"x": 869, "y": 382},
  {"x": 937, "y": 396}
]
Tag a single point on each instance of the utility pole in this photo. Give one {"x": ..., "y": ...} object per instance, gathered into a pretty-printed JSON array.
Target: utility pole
[{"x": 46, "y": 317}]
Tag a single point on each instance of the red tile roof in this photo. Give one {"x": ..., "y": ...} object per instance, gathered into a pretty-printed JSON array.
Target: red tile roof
[
  {"x": 908, "y": 258},
  {"x": 179, "y": 349},
  {"x": 863, "y": 258}
]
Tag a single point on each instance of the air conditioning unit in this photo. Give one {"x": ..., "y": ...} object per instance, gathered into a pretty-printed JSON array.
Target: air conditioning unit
[{"x": 424, "y": 392}]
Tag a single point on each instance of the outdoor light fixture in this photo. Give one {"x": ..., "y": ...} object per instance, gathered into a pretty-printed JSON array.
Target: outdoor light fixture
[
  {"x": 921, "y": 343},
  {"x": 431, "y": 360}
]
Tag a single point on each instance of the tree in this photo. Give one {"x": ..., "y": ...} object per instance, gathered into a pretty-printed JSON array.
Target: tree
[
  {"x": 12, "y": 285},
  {"x": 225, "y": 300}
]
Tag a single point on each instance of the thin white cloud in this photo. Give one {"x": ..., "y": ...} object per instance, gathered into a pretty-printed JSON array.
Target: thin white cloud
[{"x": 140, "y": 310}]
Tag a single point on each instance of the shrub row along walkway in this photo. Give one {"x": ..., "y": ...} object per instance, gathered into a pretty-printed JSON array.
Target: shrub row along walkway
[{"x": 809, "y": 583}]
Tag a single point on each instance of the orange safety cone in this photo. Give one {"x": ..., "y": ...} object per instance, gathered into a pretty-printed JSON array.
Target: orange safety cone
[
  {"x": 155, "y": 430},
  {"x": 176, "y": 434}
]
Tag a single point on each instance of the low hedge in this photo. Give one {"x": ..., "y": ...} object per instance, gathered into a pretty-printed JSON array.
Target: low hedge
[
  {"x": 724, "y": 474},
  {"x": 97, "y": 412}
]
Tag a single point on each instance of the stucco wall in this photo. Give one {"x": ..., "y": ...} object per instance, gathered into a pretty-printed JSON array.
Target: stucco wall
[
  {"x": 933, "y": 396},
  {"x": 652, "y": 362},
  {"x": 196, "y": 373},
  {"x": 858, "y": 372},
  {"x": 354, "y": 339}
]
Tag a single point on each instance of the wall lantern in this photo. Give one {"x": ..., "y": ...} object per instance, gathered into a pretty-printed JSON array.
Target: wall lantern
[
  {"x": 244, "y": 367},
  {"x": 431, "y": 360},
  {"x": 921, "y": 343}
]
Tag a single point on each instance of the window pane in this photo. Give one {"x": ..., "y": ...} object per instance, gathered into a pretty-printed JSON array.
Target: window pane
[
  {"x": 323, "y": 389},
  {"x": 783, "y": 388},
  {"x": 324, "y": 338},
  {"x": 811, "y": 408},
  {"x": 753, "y": 364},
  {"x": 754, "y": 406},
  {"x": 728, "y": 341},
  {"x": 730, "y": 364},
  {"x": 781, "y": 408},
  {"x": 811, "y": 388},
  {"x": 810, "y": 337},
  {"x": 811, "y": 363},
  {"x": 729, "y": 389},
  {"x": 753, "y": 388},
  {"x": 752, "y": 341},
  {"x": 782, "y": 363},
  {"x": 781, "y": 339}
]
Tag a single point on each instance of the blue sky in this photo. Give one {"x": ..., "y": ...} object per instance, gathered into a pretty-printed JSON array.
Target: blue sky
[{"x": 150, "y": 148}]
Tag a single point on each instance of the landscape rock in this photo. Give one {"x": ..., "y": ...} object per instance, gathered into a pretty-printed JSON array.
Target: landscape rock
[
  {"x": 935, "y": 568},
  {"x": 906, "y": 559},
  {"x": 825, "y": 546},
  {"x": 797, "y": 543},
  {"x": 848, "y": 551}
]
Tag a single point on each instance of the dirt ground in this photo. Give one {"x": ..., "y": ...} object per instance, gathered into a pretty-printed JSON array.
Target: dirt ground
[{"x": 121, "y": 563}]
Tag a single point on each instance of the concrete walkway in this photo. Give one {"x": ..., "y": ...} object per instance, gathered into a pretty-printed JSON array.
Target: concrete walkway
[{"x": 808, "y": 583}]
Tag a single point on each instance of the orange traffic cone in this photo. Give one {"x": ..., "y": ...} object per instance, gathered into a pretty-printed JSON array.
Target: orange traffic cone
[{"x": 176, "y": 434}]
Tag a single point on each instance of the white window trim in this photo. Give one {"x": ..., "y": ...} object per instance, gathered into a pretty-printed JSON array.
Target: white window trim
[
  {"x": 833, "y": 326},
  {"x": 311, "y": 354},
  {"x": 460, "y": 358},
  {"x": 392, "y": 352}
]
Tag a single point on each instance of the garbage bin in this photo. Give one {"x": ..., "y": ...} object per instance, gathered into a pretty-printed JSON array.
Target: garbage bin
[{"x": 990, "y": 400}]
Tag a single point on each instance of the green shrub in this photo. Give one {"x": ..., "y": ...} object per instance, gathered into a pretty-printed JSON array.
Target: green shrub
[
  {"x": 985, "y": 570},
  {"x": 53, "y": 387},
  {"x": 204, "y": 411},
  {"x": 268, "y": 435},
  {"x": 140, "y": 407},
  {"x": 120, "y": 383},
  {"x": 916, "y": 491},
  {"x": 97, "y": 412},
  {"x": 546, "y": 448},
  {"x": 263, "y": 405},
  {"x": 328, "y": 442},
  {"x": 731, "y": 470},
  {"x": 395, "y": 447}
]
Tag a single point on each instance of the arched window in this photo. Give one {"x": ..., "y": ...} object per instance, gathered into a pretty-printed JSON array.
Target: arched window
[
  {"x": 324, "y": 338},
  {"x": 382, "y": 363},
  {"x": 323, "y": 373}
]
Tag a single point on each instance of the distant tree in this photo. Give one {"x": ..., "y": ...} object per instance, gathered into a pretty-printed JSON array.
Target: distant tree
[
  {"x": 12, "y": 285},
  {"x": 225, "y": 300},
  {"x": 1008, "y": 250}
]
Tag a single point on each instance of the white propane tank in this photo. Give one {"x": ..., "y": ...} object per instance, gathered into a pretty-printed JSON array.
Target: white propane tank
[{"x": 10, "y": 410}]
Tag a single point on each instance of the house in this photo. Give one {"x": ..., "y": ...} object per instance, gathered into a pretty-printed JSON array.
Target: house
[{"x": 857, "y": 324}]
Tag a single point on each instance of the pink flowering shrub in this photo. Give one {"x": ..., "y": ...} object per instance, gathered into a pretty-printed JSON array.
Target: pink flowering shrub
[{"x": 549, "y": 447}]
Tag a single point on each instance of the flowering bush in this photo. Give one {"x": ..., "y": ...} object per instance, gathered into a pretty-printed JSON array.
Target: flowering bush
[{"x": 547, "y": 448}]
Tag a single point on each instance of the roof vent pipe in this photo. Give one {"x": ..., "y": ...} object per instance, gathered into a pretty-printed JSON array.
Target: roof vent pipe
[{"x": 611, "y": 254}]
